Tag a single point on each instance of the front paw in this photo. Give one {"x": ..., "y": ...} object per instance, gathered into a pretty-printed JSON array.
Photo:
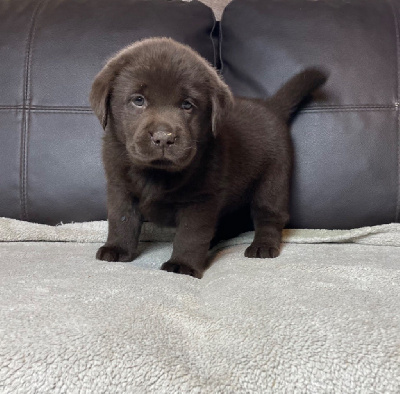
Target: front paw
[
  {"x": 115, "y": 253},
  {"x": 262, "y": 250},
  {"x": 182, "y": 269}
]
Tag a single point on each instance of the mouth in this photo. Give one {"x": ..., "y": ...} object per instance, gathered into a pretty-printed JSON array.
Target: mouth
[
  {"x": 161, "y": 160},
  {"x": 161, "y": 163},
  {"x": 165, "y": 165}
]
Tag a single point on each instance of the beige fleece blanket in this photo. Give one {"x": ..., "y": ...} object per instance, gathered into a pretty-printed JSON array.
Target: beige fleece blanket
[
  {"x": 320, "y": 318},
  {"x": 14, "y": 230}
]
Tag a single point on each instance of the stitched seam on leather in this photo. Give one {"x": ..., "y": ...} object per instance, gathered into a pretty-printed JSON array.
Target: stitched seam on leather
[
  {"x": 396, "y": 26},
  {"x": 83, "y": 109},
  {"x": 220, "y": 41},
  {"x": 353, "y": 106},
  {"x": 353, "y": 109},
  {"x": 13, "y": 107},
  {"x": 25, "y": 115},
  {"x": 61, "y": 111},
  {"x": 211, "y": 37},
  {"x": 44, "y": 108},
  {"x": 87, "y": 110}
]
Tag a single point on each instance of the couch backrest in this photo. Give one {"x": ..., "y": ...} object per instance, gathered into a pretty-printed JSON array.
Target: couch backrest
[{"x": 346, "y": 141}]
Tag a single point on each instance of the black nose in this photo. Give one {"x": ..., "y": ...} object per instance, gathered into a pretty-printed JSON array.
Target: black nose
[{"x": 163, "y": 138}]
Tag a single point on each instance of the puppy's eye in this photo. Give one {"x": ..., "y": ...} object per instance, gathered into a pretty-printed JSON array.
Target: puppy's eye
[
  {"x": 138, "y": 101},
  {"x": 187, "y": 105}
]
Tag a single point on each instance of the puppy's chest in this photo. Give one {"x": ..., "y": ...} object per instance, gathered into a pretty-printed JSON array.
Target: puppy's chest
[
  {"x": 163, "y": 210},
  {"x": 160, "y": 205},
  {"x": 157, "y": 212}
]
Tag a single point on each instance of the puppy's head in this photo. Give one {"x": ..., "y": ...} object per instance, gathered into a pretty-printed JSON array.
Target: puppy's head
[{"x": 162, "y": 100}]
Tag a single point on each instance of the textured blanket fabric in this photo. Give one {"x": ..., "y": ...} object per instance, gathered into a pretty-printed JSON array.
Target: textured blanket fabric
[
  {"x": 319, "y": 318},
  {"x": 15, "y": 230}
]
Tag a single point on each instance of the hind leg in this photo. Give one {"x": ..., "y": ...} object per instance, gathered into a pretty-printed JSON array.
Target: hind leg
[{"x": 270, "y": 212}]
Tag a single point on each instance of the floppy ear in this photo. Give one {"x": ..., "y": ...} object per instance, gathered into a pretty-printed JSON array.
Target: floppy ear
[
  {"x": 101, "y": 90},
  {"x": 221, "y": 102}
]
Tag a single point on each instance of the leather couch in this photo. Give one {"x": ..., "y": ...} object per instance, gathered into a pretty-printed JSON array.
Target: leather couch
[{"x": 347, "y": 142}]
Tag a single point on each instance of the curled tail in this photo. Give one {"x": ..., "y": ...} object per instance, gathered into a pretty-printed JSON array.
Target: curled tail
[{"x": 294, "y": 91}]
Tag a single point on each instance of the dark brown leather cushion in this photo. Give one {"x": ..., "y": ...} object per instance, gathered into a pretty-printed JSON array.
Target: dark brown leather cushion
[
  {"x": 346, "y": 142},
  {"x": 50, "y": 51}
]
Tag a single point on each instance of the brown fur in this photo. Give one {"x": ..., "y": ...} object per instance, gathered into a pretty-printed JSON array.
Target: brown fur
[{"x": 191, "y": 167}]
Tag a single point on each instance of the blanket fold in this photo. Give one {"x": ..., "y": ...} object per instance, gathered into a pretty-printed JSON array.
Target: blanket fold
[{"x": 12, "y": 230}]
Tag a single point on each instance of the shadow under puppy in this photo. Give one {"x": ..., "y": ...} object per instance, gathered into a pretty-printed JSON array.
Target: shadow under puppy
[{"x": 180, "y": 150}]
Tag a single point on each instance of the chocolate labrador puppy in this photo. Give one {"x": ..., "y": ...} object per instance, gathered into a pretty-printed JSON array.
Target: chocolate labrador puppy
[{"x": 180, "y": 150}]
